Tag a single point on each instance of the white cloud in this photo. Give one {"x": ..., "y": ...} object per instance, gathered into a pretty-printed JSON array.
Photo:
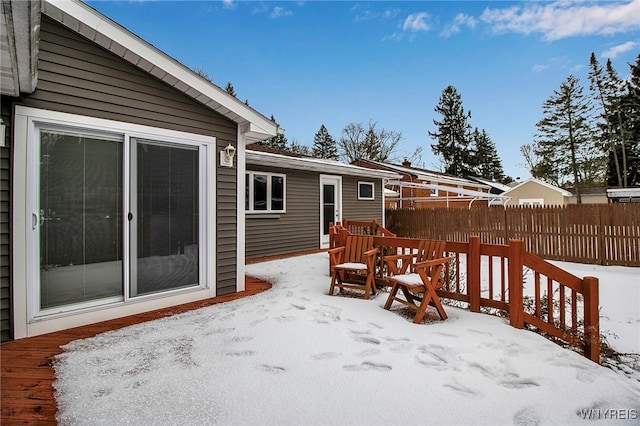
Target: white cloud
[
  {"x": 615, "y": 51},
  {"x": 460, "y": 20},
  {"x": 562, "y": 19},
  {"x": 417, "y": 22},
  {"x": 228, "y": 4},
  {"x": 279, "y": 12},
  {"x": 540, "y": 67}
]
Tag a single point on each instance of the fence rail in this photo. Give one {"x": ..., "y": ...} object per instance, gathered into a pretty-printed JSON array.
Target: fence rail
[
  {"x": 493, "y": 276},
  {"x": 605, "y": 234}
]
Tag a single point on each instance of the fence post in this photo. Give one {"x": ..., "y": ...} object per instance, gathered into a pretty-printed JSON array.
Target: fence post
[
  {"x": 591, "y": 319},
  {"x": 516, "y": 308},
  {"x": 473, "y": 273}
]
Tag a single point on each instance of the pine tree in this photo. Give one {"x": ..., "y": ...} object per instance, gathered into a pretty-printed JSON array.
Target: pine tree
[
  {"x": 487, "y": 162},
  {"x": 230, "y": 90},
  {"x": 453, "y": 134},
  {"x": 324, "y": 146},
  {"x": 564, "y": 140},
  {"x": 605, "y": 87},
  {"x": 277, "y": 142},
  {"x": 628, "y": 124},
  {"x": 300, "y": 149}
]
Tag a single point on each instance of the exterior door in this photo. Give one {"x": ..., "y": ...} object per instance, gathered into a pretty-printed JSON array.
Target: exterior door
[{"x": 330, "y": 205}]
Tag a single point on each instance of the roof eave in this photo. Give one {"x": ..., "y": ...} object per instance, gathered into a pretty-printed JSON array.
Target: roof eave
[
  {"x": 100, "y": 29},
  {"x": 314, "y": 164}
]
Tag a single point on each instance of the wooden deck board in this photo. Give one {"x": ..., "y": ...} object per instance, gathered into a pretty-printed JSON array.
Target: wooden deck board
[{"x": 26, "y": 375}]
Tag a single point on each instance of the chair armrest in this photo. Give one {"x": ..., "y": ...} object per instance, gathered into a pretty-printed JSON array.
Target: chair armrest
[
  {"x": 370, "y": 259},
  {"x": 392, "y": 261},
  {"x": 432, "y": 262},
  {"x": 335, "y": 256}
]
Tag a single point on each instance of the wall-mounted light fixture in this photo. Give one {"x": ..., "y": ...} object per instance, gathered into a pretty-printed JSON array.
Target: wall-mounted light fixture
[{"x": 226, "y": 156}]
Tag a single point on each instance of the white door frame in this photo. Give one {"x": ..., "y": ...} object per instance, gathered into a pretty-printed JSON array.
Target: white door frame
[{"x": 337, "y": 182}]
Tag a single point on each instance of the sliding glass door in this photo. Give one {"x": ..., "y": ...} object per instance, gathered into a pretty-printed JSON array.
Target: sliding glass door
[
  {"x": 80, "y": 218},
  {"x": 95, "y": 248},
  {"x": 165, "y": 217}
]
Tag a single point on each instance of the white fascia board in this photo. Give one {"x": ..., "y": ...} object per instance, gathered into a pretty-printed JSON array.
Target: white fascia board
[
  {"x": 315, "y": 164},
  {"x": 564, "y": 192},
  {"x": 186, "y": 80},
  {"x": 450, "y": 189}
]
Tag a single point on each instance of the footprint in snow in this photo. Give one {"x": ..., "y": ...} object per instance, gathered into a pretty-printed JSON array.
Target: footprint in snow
[
  {"x": 518, "y": 384},
  {"x": 271, "y": 368},
  {"x": 367, "y": 366},
  {"x": 526, "y": 417},
  {"x": 324, "y": 355},
  {"x": 462, "y": 390}
]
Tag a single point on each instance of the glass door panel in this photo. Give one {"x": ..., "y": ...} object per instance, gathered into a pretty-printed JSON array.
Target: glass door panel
[
  {"x": 165, "y": 212},
  {"x": 80, "y": 218},
  {"x": 328, "y": 206}
]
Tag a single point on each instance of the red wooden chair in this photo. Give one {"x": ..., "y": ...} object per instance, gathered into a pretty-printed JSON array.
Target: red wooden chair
[
  {"x": 427, "y": 250},
  {"x": 353, "y": 265},
  {"x": 419, "y": 288}
]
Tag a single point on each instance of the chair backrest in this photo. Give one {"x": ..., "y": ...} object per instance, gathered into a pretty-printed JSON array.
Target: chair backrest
[
  {"x": 432, "y": 270},
  {"x": 355, "y": 246},
  {"x": 430, "y": 249}
]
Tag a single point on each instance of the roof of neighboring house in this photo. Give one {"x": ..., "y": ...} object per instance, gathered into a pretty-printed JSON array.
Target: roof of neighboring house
[
  {"x": 20, "y": 31},
  {"x": 623, "y": 192},
  {"x": 497, "y": 187},
  {"x": 564, "y": 192},
  {"x": 428, "y": 175},
  {"x": 257, "y": 154}
]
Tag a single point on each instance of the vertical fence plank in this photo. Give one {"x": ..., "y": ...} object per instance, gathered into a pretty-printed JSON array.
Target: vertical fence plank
[
  {"x": 473, "y": 273},
  {"x": 516, "y": 309},
  {"x": 591, "y": 319}
]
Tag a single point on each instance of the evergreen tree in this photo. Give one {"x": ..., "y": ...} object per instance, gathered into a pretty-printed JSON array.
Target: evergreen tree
[
  {"x": 453, "y": 134},
  {"x": 230, "y": 90},
  {"x": 300, "y": 149},
  {"x": 631, "y": 118},
  {"x": 625, "y": 123},
  {"x": 277, "y": 142},
  {"x": 605, "y": 87},
  {"x": 564, "y": 139},
  {"x": 487, "y": 162},
  {"x": 324, "y": 146}
]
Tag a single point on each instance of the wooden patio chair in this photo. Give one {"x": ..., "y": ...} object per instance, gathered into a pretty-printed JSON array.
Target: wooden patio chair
[
  {"x": 353, "y": 265},
  {"x": 419, "y": 288},
  {"x": 427, "y": 250}
]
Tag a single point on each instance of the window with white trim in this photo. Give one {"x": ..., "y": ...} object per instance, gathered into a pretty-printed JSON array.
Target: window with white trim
[
  {"x": 365, "y": 191},
  {"x": 531, "y": 202},
  {"x": 265, "y": 192}
]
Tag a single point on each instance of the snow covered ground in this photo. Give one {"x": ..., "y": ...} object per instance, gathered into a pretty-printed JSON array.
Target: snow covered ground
[{"x": 294, "y": 355}]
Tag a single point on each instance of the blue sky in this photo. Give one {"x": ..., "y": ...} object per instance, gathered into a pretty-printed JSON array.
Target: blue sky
[{"x": 309, "y": 63}]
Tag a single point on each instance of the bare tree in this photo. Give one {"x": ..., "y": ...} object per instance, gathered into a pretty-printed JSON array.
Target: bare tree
[{"x": 358, "y": 143}]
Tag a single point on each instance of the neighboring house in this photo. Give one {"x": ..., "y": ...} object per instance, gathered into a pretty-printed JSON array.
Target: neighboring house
[
  {"x": 291, "y": 200},
  {"x": 534, "y": 192},
  {"x": 624, "y": 195},
  {"x": 420, "y": 188},
  {"x": 114, "y": 200}
]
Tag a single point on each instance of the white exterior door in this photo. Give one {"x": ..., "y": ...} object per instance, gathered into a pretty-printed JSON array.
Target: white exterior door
[{"x": 330, "y": 205}]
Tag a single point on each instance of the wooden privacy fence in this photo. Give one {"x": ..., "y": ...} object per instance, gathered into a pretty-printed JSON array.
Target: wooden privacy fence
[
  {"x": 526, "y": 288},
  {"x": 605, "y": 234}
]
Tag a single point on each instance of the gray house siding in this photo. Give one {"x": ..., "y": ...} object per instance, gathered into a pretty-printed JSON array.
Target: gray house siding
[
  {"x": 299, "y": 228},
  {"x": 296, "y": 230},
  {"x": 79, "y": 77},
  {"x": 365, "y": 210},
  {"x": 6, "y": 329}
]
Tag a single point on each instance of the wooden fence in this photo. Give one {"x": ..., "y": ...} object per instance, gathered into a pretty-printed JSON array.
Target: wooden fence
[
  {"x": 604, "y": 234},
  {"x": 492, "y": 276}
]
